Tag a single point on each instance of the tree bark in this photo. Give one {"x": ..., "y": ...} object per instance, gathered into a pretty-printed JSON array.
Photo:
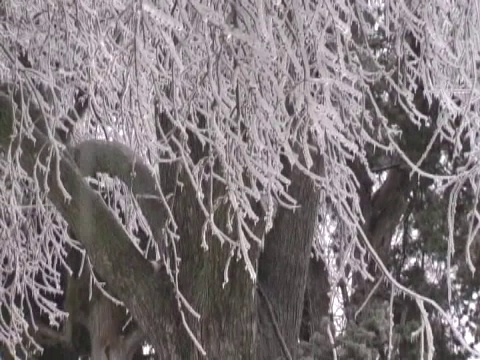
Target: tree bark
[
  {"x": 318, "y": 288},
  {"x": 227, "y": 325},
  {"x": 283, "y": 268}
]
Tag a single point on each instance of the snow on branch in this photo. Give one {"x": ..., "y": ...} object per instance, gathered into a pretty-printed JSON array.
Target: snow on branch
[{"x": 249, "y": 90}]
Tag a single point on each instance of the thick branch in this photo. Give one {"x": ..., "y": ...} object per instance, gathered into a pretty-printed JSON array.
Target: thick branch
[
  {"x": 383, "y": 209},
  {"x": 117, "y": 160},
  {"x": 388, "y": 204},
  {"x": 47, "y": 336},
  {"x": 108, "y": 245}
]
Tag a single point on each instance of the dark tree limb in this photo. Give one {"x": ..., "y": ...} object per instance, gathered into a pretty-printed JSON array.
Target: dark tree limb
[{"x": 117, "y": 160}]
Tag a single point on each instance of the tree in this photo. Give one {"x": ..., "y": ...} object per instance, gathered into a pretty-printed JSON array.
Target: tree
[{"x": 233, "y": 138}]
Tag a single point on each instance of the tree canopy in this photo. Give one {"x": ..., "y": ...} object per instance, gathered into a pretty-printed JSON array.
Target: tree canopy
[{"x": 199, "y": 154}]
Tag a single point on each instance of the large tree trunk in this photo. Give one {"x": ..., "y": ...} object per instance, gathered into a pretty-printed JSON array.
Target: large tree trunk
[
  {"x": 283, "y": 268},
  {"x": 226, "y": 328},
  {"x": 317, "y": 297}
]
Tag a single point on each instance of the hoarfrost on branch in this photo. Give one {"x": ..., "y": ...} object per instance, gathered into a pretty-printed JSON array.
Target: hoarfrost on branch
[{"x": 261, "y": 85}]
